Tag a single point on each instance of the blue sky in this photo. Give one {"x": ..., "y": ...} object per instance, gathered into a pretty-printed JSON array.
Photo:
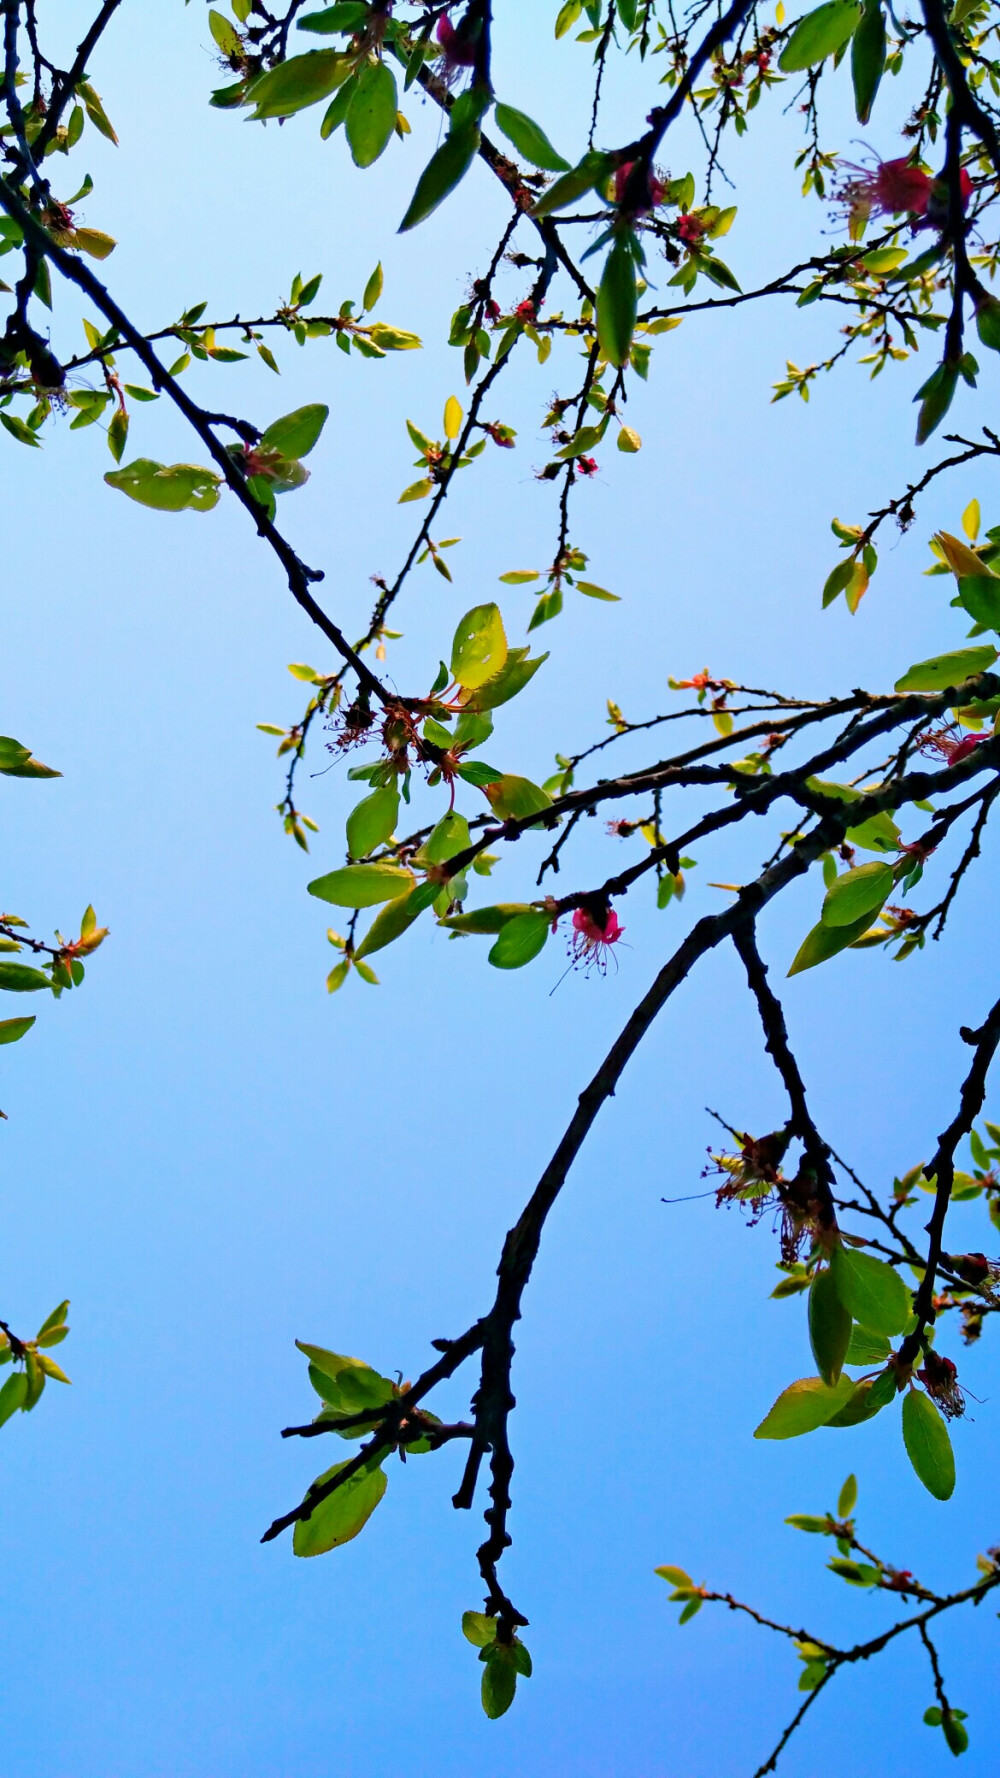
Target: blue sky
[{"x": 213, "y": 1158}]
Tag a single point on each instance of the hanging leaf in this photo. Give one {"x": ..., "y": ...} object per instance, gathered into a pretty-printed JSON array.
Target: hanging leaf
[
  {"x": 529, "y": 140},
  {"x": 12, "y": 1030},
  {"x": 373, "y": 821},
  {"x": 479, "y": 1629},
  {"x": 871, "y": 1290},
  {"x": 866, "y": 1347},
  {"x": 829, "y": 1327},
  {"x": 861, "y": 1406},
  {"x": 486, "y": 920},
  {"x": 617, "y": 302},
  {"x": 519, "y": 940},
  {"x": 868, "y": 61},
  {"x": 818, "y": 35},
  {"x": 591, "y": 172},
  {"x": 514, "y": 799},
  {"x": 371, "y": 115},
  {"x": 362, "y": 885},
  {"x": 928, "y": 1446},
  {"x": 347, "y": 16},
  {"x": 13, "y": 1395},
  {"x": 343, "y": 1514},
  {"x": 857, "y": 894},
  {"x": 824, "y": 942},
  {"x": 298, "y": 82},
  {"x": 396, "y": 918},
  {"x": 446, "y": 167},
  {"x": 980, "y": 594},
  {"x": 499, "y": 1681},
  {"x": 20, "y": 978},
  {"x": 804, "y": 1406},
  {"x": 935, "y": 397},
  {"x": 167, "y": 488}
]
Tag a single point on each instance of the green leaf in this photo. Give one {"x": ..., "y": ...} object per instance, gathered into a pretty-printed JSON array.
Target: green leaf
[
  {"x": 529, "y": 140},
  {"x": 955, "y": 1732},
  {"x": 224, "y": 32},
  {"x": 12, "y": 1030},
  {"x": 809, "y": 1522},
  {"x": 298, "y": 82},
  {"x": 167, "y": 488},
  {"x": 872, "y": 1290},
  {"x": 980, "y": 594},
  {"x": 337, "y": 109},
  {"x": 19, "y": 978},
  {"x": 868, "y": 59},
  {"x": 988, "y": 322},
  {"x": 519, "y": 940},
  {"x": 371, "y": 115},
  {"x": 373, "y": 821},
  {"x": 373, "y": 290},
  {"x": 17, "y": 761},
  {"x": 592, "y": 171},
  {"x": 857, "y": 1574},
  {"x": 512, "y": 678},
  {"x": 569, "y": 12},
  {"x": 20, "y": 431},
  {"x": 446, "y": 167},
  {"x": 479, "y": 1629},
  {"x": 347, "y": 1384},
  {"x": 935, "y": 397},
  {"x": 928, "y": 1446},
  {"x": 450, "y": 836},
  {"x": 848, "y": 1498},
  {"x": 117, "y": 434},
  {"x": 343, "y": 1514},
  {"x": 499, "y": 1682},
  {"x": 804, "y": 1406},
  {"x": 859, "y": 1407},
  {"x": 676, "y": 1577},
  {"x": 486, "y": 920},
  {"x": 347, "y": 16},
  {"x": 829, "y": 1327},
  {"x": 362, "y": 885},
  {"x": 878, "y": 834},
  {"x": 396, "y": 918},
  {"x": 857, "y": 894},
  {"x": 824, "y": 942},
  {"x": 818, "y": 35},
  {"x": 477, "y": 772},
  {"x": 617, "y": 302},
  {"x": 867, "y": 1348},
  {"x": 12, "y": 1395},
  {"x": 295, "y": 434},
  {"x": 479, "y": 650},
  {"x": 56, "y": 1319},
  {"x": 943, "y": 671},
  {"x": 513, "y": 799}
]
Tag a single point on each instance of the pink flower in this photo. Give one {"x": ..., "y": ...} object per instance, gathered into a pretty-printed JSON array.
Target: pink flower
[
  {"x": 653, "y": 194},
  {"x": 690, "y": 229},
  {"x": 593, "y": 935},
  {"x": 897, "y": 188},
  {"x": 889, "y": 188},
  {"x": 458, "y": 50}
]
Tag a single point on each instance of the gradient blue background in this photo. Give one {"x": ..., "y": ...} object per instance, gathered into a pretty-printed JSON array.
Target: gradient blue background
[{"x": 212, "y": 1158}]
